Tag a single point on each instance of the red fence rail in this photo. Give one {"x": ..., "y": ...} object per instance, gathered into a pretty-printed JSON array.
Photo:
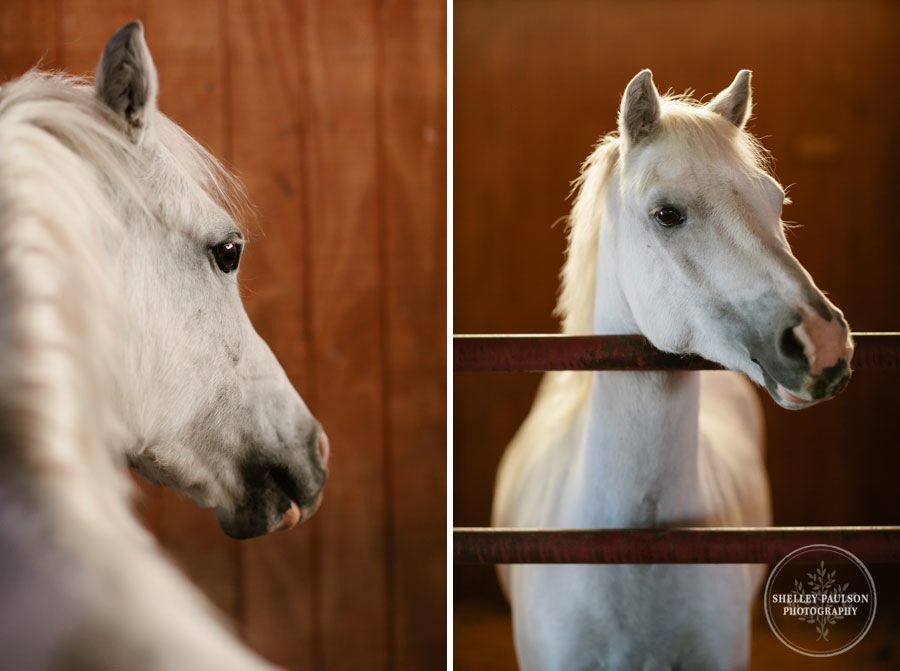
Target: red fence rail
[
  {"x": 484, "y": 353},
  {"x": 666, "y": 546}
]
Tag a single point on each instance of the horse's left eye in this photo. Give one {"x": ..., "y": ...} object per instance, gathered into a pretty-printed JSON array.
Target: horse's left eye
[
  {"x": 668, "y": 216},
  {"x": 227, "y": 256}
]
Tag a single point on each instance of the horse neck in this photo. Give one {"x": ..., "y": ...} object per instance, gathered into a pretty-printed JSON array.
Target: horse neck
[{"x": 639, "y": 456}]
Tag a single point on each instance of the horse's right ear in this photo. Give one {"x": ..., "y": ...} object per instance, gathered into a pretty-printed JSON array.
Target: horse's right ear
[
  {"x": 126, "y": 79},
  {"x": 639, "y": 112},
  {"x": 735, "y": 102}
]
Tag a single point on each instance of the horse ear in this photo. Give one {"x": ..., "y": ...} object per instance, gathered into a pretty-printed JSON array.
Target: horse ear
[
  {"x": 126, "y": 78},
  {"x": 639, "y": 112},
  {"x": 735, "y": 102}
]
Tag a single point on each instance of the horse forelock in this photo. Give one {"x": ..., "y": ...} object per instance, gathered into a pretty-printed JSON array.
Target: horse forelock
[
  {"x": 202, "y": 174},
  {"x": 712, "y": 136},
  {"x": 68, "y": 109}
]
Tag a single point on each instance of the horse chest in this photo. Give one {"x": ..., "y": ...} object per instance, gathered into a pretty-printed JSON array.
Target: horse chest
[{"x": 631, "y": 617}]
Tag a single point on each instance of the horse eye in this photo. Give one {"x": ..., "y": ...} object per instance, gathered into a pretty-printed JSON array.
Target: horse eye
[
  {"x": 668, "y": 216},
  {"x": 227, "y": 256}
]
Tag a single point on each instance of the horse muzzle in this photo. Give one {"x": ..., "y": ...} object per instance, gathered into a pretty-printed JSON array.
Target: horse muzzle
[
  {"x": 810, "y": 361},
  {"x": 278, "y": 495}
]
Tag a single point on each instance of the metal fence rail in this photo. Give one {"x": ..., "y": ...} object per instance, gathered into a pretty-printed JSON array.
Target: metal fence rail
[
  {"x": 484, "y": 353},
  {"x": 666, "y": 546}
]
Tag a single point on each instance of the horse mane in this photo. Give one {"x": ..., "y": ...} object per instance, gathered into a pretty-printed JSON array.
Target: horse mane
[
  {"x": 55, "y": 297},
  {"x": 707, "y": 133},
  {"x": 575, "y": 305}
]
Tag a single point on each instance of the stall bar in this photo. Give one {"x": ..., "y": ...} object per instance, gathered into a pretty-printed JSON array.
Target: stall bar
[
  {"x": 473, "y": 353},
  {"x": 666, "y": 546},
  {"x": 484, "y": 353}
]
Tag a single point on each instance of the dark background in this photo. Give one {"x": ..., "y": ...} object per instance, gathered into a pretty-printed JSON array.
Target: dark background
[{"x": 537, "y": 82}]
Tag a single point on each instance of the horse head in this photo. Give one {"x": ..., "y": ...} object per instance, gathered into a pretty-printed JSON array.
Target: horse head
[
  {"x": 210, "y": 410},
  {"x": 698, "y": 247}
]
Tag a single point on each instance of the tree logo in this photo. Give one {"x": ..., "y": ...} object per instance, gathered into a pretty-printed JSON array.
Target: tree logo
[{"x": 820, "y": 600}]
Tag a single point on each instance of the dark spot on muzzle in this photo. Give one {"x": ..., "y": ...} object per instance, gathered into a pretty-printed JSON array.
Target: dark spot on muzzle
[
  {"x": 300, "y": 491},
  {"x": 269, "y": 486},
  {"x": 831, "y": 381}
]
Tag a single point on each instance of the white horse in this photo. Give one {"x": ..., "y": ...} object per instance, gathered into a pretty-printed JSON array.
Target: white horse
[
  {"x": 675, "y": 234},
  {"x": 123, "y": 340}
]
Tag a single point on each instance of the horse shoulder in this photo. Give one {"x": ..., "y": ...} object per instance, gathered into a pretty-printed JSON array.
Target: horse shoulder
[
  {"x": 532, "y": 471},
  {"x": 732, "y": 451},
  {"x": 531, "y": 476}
]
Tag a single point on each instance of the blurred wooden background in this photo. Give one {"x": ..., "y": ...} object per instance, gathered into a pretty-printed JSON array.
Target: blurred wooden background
[
  {"x": 536, "y": 83},
  {"x": 334, "y": 114}
]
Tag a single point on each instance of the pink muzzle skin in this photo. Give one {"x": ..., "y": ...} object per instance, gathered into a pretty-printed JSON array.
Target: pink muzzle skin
[
  {"x": 291, "y": 518},
  {"x": 296, "y": 514},
  {"x": 825, "y": 342},
  {"x": 793, "y": 399}
]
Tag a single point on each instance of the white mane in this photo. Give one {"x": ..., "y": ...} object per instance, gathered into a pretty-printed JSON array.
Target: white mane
[
  {"x": 55, "y": 294},
  {"x": 576, "y": 299}
]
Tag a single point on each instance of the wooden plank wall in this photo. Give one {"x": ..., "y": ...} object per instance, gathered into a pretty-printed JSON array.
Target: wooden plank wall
[
  {"x": 536, "y": 83},
  {"x": 334, "y": 114}
]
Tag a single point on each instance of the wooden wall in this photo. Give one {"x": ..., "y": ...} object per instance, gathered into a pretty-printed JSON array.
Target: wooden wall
[
  {"x": 333, "y": 112},
  {"x": 536, "y": 83}
]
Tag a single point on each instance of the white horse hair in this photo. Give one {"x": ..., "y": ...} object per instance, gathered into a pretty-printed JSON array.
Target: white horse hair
[
  {"x": 123, "y": 340},
  {"x": 676, "y": 234}
]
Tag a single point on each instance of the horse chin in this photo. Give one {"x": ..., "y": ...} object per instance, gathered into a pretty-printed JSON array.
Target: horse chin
[
  {"x": 251, "y": 523},
  {"x": 791, "y": 400},
  {"x": 268, "y": 509}
]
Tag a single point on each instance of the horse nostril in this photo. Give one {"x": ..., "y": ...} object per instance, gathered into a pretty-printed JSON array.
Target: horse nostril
[
  {"x": 791, "y": 347},
  {"x": 324, "y": 447}
]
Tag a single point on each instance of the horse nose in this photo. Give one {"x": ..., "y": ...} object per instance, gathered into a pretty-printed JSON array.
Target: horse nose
[
  {"x": 790, "y": 347},
  {"x": 822, "y": 339},
  {"x": 323, "y": 445}
]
